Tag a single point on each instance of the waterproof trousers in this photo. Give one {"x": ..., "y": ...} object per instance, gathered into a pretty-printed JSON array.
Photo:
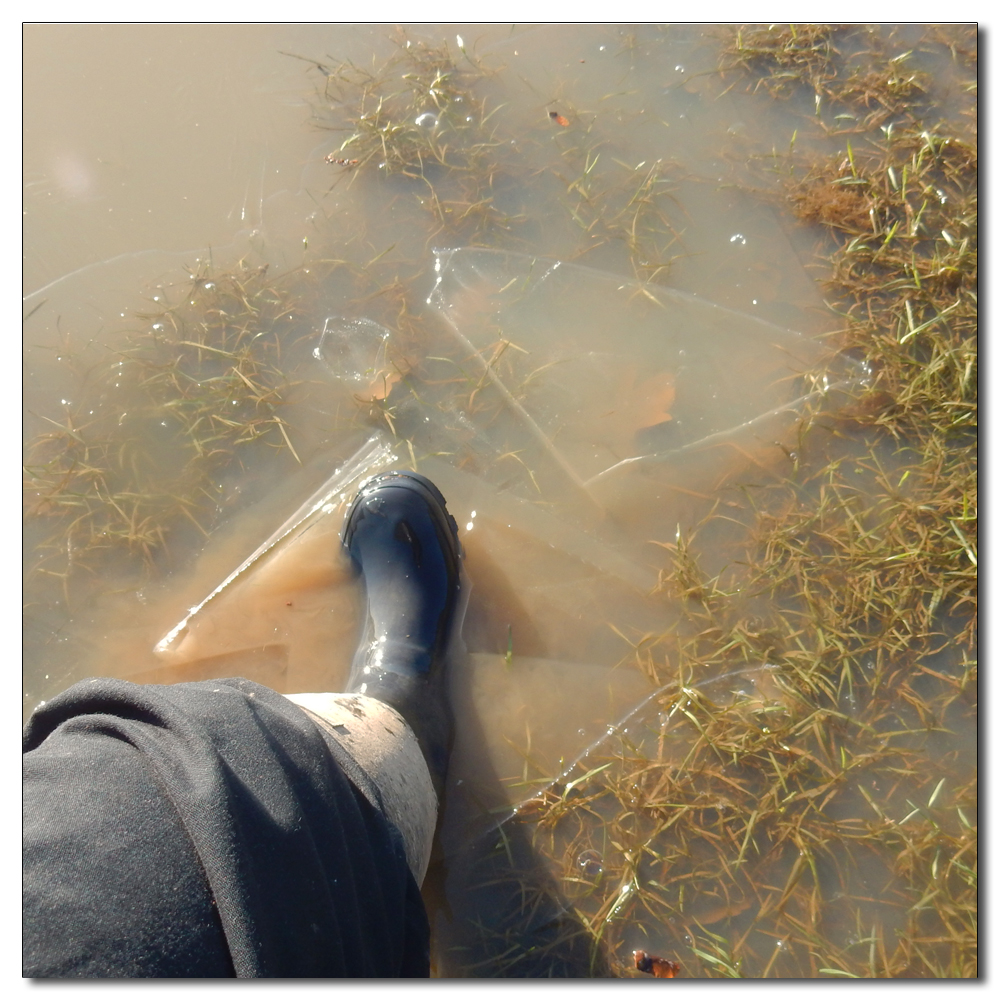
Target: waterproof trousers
[{"x": 218, "y": 829}]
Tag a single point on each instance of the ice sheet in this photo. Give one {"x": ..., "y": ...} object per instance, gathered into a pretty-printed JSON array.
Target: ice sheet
[
  {"x": 566, "y": 414},
  {"x": 601, "y": 371}
]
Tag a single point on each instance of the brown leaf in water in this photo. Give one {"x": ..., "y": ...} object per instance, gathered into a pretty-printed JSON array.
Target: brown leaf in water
[
  {"x": 653, "y": 398},
  {"x": 379, "y": 387},
  {"x": 638, "y": 403},
  {"x": 661, "y": 968}
]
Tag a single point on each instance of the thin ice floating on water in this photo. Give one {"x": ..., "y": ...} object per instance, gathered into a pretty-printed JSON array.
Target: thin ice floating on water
[
  {"x": 327, "y": 500},
  {"x": 566, "y": 413},
  {"x": 574, "y": 393},
  {"x": 356, "y": 351},
  {"x": 585, "y": 376}
]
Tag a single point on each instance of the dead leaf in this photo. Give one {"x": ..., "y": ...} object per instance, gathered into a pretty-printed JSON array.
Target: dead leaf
[
  {"x": 661, "y": 968},
  {"x": 653, "y": 399},
  {"x": 379, "y": 387}
]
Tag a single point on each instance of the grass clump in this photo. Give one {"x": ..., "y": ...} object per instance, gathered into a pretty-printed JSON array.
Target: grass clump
[
  {"x": 431, "y": 125},
  {"x": 780, "y": 57},
  {"x": 905, "y": 274},
  {"x": 813, "y": 812},
  {"x": 412, "y": 113},
  {"x": 742, "y": 831},
  {"x": 198, "y": 388},
  {"x": 419, "y": 117},
  {"x": 855, "y": 84}
]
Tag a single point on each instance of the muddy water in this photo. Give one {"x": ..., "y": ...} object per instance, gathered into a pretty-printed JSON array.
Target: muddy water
[
  {"x": 149, "y": 150},
  {"x": 144, "y": 156}
]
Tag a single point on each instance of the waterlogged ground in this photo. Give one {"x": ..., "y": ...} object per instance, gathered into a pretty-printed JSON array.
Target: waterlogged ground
[{"x": 720, "y": 642}]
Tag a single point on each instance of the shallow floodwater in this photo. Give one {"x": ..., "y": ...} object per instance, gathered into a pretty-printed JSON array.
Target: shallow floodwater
[
  {"x": 151, "y": 150},
  {"x": 575, "y": 436}
]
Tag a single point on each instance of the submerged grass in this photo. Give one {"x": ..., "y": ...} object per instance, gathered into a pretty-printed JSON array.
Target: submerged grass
[
  {"x": 434, "y": 119},
  {"x": 419, "y": 117},
  {"x": 197, "y": 386},
  {"x": 814, "y": 813},
  {"x": 816, "y": 817}
]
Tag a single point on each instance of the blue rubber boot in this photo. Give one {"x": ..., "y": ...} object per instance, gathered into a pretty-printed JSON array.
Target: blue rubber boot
[{"x": 404, "y": 543}]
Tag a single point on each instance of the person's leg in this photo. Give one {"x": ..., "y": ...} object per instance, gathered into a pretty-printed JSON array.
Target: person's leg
[
  {"x": 206, "y": 829},
  {"x": 397, "y": 725},
  {"x": 222, "y": 829},
  {"x": 381, "y": 742},
  {"x": 405, "y": 546}
]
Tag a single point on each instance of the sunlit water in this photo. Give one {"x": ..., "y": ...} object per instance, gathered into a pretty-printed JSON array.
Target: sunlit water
[{"x": 151, "y": 150}]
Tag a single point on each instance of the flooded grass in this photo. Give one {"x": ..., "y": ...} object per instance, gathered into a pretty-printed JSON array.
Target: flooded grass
[
  {"x": 822, "y": 823},
  {"x": 202, "y": 375},
  {"x": 800, "y": 799},
  {"x": 432, "y": 116},
  {"x": 418, "y": 115}
]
